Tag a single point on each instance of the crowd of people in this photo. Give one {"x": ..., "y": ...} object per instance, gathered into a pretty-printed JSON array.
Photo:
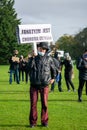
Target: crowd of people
[
  {"x": 44, "y": 69},
  {"x": 18, "y": 68}
]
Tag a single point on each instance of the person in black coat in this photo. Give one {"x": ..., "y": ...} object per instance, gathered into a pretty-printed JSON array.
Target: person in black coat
[
  {"x": 42, "y": 73},
  {"x": 68, "y": 72},
  {"x": 14, "y": 67},
  {"x": 58, "y": 65},
  {"x": 21, "y": 68},
  {"x": 60, "y": 74},
  {"x": 82, "y": 67}
]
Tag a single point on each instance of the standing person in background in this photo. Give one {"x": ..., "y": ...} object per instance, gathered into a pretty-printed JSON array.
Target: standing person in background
[
  {"x": 68, "y": 72},
  {"x": 56, "y": 63},
  {"x": 26, "y": 68},
  {"x": 60, "y": 75},
  {"x": 42, "y": 73},
  {"x": 82, "y": 67},
  {"x": 14, "y": 67},
  {"x": 21, "y": 68}
]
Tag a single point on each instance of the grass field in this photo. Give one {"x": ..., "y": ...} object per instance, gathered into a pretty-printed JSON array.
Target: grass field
[{"x": 65, "y": 112}]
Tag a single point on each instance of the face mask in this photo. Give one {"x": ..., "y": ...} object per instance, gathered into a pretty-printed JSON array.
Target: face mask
[{"x": 41, "y": 53}]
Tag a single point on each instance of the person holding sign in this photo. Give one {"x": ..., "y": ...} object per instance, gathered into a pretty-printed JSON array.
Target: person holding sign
[
  {"x": 14, "y": 67},
  {"x": 42, "y": 73}
]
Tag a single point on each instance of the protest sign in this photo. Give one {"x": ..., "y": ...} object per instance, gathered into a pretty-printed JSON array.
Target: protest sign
[
  {"x": 60, "y": 53},
  {"x": 34, "y": 33},
  {"x": 15, "y": 59}
]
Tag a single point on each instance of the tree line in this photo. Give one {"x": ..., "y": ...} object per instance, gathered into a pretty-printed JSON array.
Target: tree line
[{"x": 75, "y": 45}]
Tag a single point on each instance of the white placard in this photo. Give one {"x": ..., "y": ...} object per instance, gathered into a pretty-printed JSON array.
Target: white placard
[
  {"x": 31, "y": 33},
  {"x": 60, "y": 53}
]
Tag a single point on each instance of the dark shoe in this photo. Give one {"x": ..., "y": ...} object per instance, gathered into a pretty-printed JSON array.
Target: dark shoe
[
  {"x": 32, "y": 126},
  {"x": 45, "y": 125},
  {"x": 18, "y": 83},
  {"x": 79, "y": 100},
  {"x": 60, "y": 90}
]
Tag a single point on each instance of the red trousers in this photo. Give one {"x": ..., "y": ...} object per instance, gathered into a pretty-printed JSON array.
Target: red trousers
[{"x": 33, "y": 105}]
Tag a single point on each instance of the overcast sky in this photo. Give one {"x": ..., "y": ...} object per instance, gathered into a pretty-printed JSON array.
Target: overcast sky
[{"x": 65, "y": 16}]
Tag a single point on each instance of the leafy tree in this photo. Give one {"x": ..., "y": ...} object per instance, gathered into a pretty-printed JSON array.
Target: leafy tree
[
  {"x": 81, "y": 41},
  {"x": 67, "y": 43},
  {"x": 25, "y": 49},
  {"x": 8, "y": 24},
  {"x": 74, "y": 45}
]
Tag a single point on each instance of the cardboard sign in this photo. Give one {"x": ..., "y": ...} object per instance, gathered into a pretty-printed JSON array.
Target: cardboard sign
[
  {"x": 60, "y": 53},
  {"x": 15, "y": 59},
  {"x": 34, "y": 33}
]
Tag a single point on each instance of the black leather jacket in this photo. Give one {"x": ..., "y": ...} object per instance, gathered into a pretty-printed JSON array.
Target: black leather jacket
[
  {"x": 68, "y": 65},
  {"x": 82, "y": 67},
  {"x": 41, "y": 71}
]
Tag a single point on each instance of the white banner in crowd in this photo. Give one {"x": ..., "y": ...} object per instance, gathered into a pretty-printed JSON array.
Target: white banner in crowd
[
  {"x": 34, "y": 33},
  {"x": 60, "y": 53}
]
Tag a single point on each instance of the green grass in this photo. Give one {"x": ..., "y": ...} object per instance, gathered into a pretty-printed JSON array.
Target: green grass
[{"x": 65, "y": 112}]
